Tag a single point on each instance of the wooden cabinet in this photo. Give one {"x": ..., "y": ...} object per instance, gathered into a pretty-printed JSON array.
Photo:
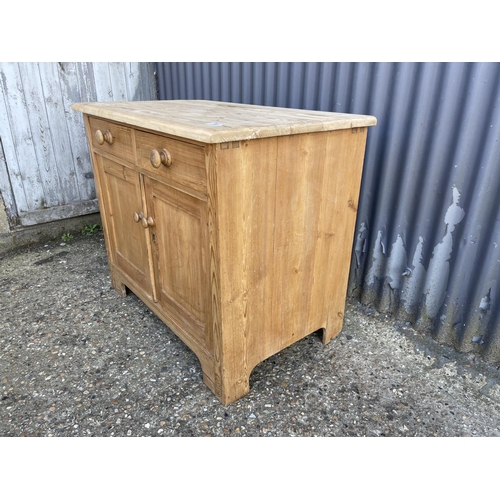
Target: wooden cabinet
[{"x": 233, "y": 223}]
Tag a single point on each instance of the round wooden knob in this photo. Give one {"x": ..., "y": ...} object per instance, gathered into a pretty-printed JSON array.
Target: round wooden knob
[
  {"x": 99, "y": 137},
  {"x": 102, "y": 138},
  {"x": 158, "y": 158},
  {"x": 138, "y": 216},
  {"x": 108, "y": 137},
  {"x": 149, "y": 222}
]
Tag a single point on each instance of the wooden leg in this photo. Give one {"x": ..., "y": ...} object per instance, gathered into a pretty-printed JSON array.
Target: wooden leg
[
  {"x": 233, "y": 390},
  {"x": 118, "y": 286},
  {"x": 227, "y": 392},
  {"x": 333, "y": 328}
]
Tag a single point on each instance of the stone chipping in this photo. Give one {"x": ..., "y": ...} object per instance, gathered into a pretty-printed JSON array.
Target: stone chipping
[{"x": 76, "y": 359}]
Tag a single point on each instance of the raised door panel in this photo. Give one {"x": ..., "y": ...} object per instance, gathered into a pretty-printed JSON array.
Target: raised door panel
[
  {"x": 127, "y": 238},
  {"x": 179, "y": 237}
]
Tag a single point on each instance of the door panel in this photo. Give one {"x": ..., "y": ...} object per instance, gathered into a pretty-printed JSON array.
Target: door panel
[
  {"x": 45, "y": 168},
  {"x": 128, "y": 239},
  {"x": 180, "y": 235}
]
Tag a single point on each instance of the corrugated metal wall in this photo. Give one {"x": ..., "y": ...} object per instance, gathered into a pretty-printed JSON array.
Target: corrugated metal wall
[
  {"x": 45, "y": 169},
  {"x": 427, "y": 245}
]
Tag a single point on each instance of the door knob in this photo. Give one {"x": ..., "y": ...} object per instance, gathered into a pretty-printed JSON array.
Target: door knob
[
  {"x": 102, "y": 138},
  {"x": 158, "y": 158},
  {"x": 149, "y": 222}
]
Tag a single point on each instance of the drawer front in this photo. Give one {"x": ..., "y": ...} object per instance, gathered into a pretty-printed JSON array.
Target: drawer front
[
  {"x": 175, "y": 160},
  {"x": 112, "y": 138}
]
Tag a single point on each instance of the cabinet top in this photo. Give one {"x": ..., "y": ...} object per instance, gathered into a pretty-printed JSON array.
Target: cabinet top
[{"x": 214, "y": 122}]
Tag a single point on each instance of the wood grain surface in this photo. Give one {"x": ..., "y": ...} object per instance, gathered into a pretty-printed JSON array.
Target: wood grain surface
[
  {"x": 214, "y": 122},
  {"x": 243, "y": 247}
]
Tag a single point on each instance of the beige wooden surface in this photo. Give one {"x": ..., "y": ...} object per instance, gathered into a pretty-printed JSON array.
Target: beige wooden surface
[
  {"x": 286, "y": 210},
  {"x": 241, "y": 247},
  {"x": 213, "y": 122},
  {"x": 188, "y": 165},
  {"x": 179, "y": 243}
]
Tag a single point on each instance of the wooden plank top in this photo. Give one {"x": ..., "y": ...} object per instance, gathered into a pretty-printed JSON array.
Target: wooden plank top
[{"x": 214, "y": 122}]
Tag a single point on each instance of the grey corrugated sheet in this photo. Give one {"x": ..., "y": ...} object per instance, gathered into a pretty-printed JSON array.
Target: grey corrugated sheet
[{"x": 427, "y": 244}]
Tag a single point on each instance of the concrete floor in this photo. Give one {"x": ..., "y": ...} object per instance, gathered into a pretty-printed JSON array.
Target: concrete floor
[{"x": 76, "y": 359}]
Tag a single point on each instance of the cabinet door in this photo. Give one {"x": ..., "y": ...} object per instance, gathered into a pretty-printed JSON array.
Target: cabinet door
[
  {"x": 127, "y": 238},
  {"x": 179, "y": 240}
]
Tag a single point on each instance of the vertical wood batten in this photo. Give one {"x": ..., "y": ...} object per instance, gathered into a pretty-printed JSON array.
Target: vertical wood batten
[
  {"x": 118, "y": 81},
  {"x": 56, "y": 115},
  {"x": 131, "y": 70},
  {"x": 6, "y": 192},
  {"x": 45, "y": 171},
  {"x": 103, "y": 89},
  {"x": 10, "y": 176},
  {"x": 80, "y": 164},
  {"x": 86, "y": 85},
  {"x": 17, "y": 140},
  {"x": 40, "y": 132}
]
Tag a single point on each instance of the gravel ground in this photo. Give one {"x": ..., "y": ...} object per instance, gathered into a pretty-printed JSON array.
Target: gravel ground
[{"x": 76, "y": 359}]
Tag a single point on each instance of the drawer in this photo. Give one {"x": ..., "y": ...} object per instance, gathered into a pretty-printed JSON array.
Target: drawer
[
  {"x": 112, "y": 138},
  {"x": 175, "y": 160}
]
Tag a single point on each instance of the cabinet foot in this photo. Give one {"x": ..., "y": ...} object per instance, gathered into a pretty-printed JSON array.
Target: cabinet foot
[
  {"x": 234, "y": 390},
  {"x": 330, "y": 333},
  {"x": 119, "y": 286},
  {"x": 334, "y": 326},
  {"x": 229, "y": 391}
]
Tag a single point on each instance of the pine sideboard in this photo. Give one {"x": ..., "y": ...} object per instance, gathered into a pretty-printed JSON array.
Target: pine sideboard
[{"x": 233, "y": 223}]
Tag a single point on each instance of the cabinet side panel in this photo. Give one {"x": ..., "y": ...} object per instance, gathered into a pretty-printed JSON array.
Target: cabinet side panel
[
  {"x": 338, "y": 215},
  {"x": 318, "y": 178},
  {"x": 285, "y": 215},
  {"x": 301, "y": 170},
  {"x": 245, "y": 217}
]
